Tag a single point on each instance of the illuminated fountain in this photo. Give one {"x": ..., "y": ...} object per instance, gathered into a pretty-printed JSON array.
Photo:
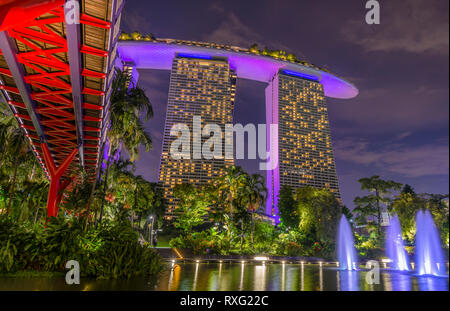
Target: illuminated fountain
[
  {"x": 345, "y": 248},
  {"x": 394, "y": 246},
  {"x": 429, "y": 256}
]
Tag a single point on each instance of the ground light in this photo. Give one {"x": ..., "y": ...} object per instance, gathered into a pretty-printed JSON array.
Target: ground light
[{"x": 385, "y": 262}]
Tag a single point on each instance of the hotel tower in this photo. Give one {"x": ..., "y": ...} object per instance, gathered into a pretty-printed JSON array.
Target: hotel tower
[
  {"x": 204, "y": 87},
  {"x": 296, "y": 102}
]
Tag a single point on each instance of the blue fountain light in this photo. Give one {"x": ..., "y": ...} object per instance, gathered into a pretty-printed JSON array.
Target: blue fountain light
[
  {"x": 346, "y": 248},
  {"x": 429, "y": 256},
  {"x": 395, "y": 247}
]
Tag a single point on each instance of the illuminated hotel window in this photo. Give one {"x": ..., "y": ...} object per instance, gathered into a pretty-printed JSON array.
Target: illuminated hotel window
[{"x": 209, "y": 87}]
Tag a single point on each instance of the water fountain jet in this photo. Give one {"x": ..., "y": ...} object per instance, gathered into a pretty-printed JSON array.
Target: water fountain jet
[
  {"x": 345, "y": 247},
  {"x": 429, "y": 255},
  {"x": 395, "y": 247}
]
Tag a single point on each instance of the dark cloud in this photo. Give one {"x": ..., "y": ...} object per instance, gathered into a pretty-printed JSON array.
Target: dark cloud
[
  {"x": 393, "y": 109},
  {"x": 398, "y": 158},
  {"x": 415, "y": 26}
]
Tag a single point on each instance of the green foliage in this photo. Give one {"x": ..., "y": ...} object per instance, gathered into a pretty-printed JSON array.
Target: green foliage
[
  {"x": 439, "y": 209},
  {"x": 319, "y": 211},
  {"x": 406, "y": 206},
  {"x": 287, "y": 208},
  {"x": 136, "y": 36},
  {"x": 372, "y": 205},
  {"x": 198, "y": 242},
  {"x": 289, "y": 244},
  {"x": 127, "y": 106},
  {"x": 346, "y": 211},
  {"x": 110, "y": 251},
  {"x": 367, "y": 246},
  {"x": 408, "y": 189},
  {"x": 192, "y": 207}
]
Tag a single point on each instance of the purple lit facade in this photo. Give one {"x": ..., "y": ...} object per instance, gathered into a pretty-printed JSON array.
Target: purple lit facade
[
  {"x": 272, "y": 176},
  {"x": 301, "y": 147}
]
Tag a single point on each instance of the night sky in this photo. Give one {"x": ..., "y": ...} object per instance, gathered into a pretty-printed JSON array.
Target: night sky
[{"x": 397, "y": 127}]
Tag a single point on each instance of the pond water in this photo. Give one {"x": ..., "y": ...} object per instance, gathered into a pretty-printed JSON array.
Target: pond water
[{"x": 249, "y": 276}]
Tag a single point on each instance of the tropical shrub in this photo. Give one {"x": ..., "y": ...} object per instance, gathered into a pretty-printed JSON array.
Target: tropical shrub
[
  {"x": 198, "y": 242},
  {"x": 110, "y": 251}
]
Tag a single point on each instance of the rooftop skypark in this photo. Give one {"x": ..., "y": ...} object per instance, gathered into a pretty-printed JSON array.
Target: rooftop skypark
[{"x": 276, "y": 54}]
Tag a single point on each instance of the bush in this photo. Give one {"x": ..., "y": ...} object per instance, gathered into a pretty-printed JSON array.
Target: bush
[
  {"x": 110, "y": 251},
  {"x": 198, "y": 242}
]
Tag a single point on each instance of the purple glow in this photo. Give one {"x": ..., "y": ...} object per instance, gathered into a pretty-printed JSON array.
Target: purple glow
[
  {"x": 156, "y": 55},
  {"x": 184, "y": 55},
  {"x": 272, "y": 176},
  {"x": 395, "y": 248},
  {"x": 301, "y": 75},
  {"x": 429, "y": 256},
  {"x": 348, "y": 280},
  {"x": 345, "y": 247}
]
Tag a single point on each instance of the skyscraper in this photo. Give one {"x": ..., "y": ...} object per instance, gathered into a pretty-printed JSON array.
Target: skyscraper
[
  {"x": 296, "y": 102},
  {"x": 200, "y": 86}
]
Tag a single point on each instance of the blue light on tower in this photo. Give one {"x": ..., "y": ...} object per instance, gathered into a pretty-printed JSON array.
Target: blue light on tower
[
  {"x": 301, "y": 75},
  {"x": 199, "y": 56}
]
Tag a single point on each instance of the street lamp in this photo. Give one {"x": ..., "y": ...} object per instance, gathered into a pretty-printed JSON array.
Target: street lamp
[{"x": 152, "y": 219}]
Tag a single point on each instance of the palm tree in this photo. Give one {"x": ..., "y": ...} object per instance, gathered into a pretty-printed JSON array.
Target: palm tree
[
  {"x": 229, "y": 186},
  {"x": 126, "y": 129},
  {"x": 7, "y": 124},
  {"x": 17, "y": 148},
  {"x": 254, "y": 195}
]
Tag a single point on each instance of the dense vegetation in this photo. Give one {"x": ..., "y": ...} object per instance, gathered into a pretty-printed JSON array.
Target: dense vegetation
[
  {"x": 99, "y": 223},
  {"x": 109, "y": 251},
  {"x": 225, "y": 217},
  {"x": 103, "y": 225},
  {"x": 405, "y": 203}
]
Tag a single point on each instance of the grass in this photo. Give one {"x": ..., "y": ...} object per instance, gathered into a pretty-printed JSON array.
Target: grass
[{"x": 163, "y": 241}]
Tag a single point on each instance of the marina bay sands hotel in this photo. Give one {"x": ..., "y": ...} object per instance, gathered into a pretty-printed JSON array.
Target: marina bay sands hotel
[{"x": 203, "y": 83}]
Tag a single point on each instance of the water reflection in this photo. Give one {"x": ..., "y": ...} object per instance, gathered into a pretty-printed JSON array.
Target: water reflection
[
  {"x": 260, "y": 277},
  {"x": 245, "y": 276},
  {"x": 430, "y": 283},
  {"x": 401, "y": 282},
  {"x": 302, "y": 277},
  {"x": 348, "y": 280},
  {"x": 174, "y": 278},
  {"x": 194, "y": 285},
  {"x": 321, "y": 277},
  {"x": 241, "y": 282}
]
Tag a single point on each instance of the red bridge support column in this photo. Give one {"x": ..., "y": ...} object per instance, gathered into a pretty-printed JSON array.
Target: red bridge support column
[{"x": 54, "y": 197}]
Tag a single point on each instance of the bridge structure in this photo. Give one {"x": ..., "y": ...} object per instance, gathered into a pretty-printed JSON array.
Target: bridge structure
[{"x": 56, "y": 68}]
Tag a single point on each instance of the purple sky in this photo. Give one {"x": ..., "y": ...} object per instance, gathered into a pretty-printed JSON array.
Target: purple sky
[{"x": 397, "y": 127}]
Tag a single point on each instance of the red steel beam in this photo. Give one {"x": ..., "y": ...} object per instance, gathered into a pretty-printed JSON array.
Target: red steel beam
[{"x": 54, "y": 195}]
